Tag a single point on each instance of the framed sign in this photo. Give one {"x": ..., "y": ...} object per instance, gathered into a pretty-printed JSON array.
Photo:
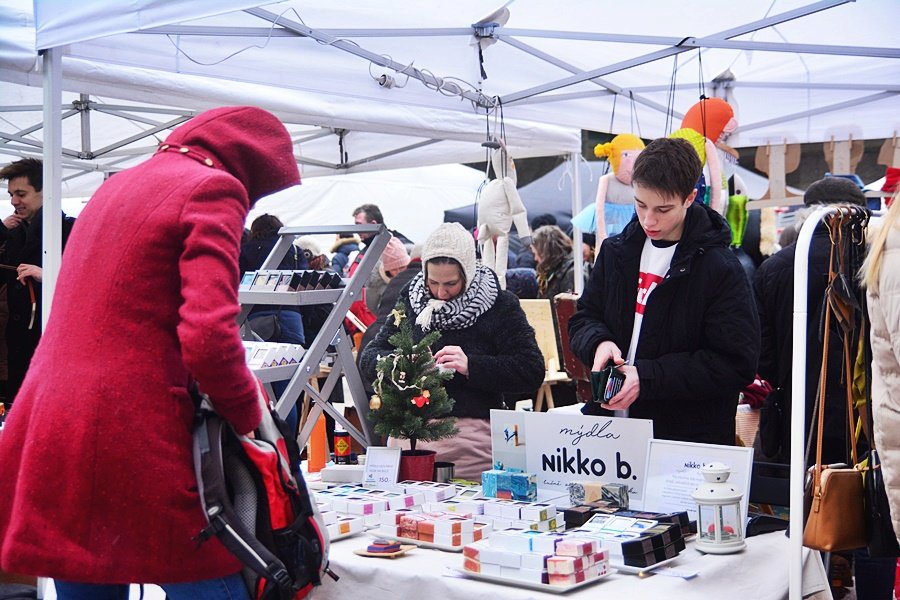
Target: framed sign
[
  {"x": 508, "y": 438},
  {"x": 673, "y": 473},
  {"x": 382, "y": 466}
]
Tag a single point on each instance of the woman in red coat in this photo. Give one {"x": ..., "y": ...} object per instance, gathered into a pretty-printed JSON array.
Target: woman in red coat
[{"x": 95, "y": 458}]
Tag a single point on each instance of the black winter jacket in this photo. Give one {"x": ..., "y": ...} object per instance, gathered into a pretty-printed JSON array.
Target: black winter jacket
[
  {"x": 561, "y": 281},
  {"x": 699, "y": 341},
  {"x": 773, "y": 286},
  {"x": 24, "y": 244},
  {"x": 503, "y": 356}
]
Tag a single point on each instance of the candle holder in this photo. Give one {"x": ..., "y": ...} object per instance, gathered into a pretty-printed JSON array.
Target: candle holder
[{"x": 720, "y": 521}]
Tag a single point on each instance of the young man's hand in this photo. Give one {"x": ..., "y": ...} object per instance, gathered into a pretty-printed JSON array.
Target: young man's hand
[
  {"x": 631, "y": 389},
  {"x": 24, "y": 271},
  {"x": 12, "y": 221},
  {"x": 606, "y": 351}
]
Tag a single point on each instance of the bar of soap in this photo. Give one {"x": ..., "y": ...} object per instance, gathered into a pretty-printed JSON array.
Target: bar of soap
[{"x": 384, "y": 546}]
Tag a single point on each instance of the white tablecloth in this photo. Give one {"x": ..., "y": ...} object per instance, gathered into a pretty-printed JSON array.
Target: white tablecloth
[{"x": 760, "y": 572}]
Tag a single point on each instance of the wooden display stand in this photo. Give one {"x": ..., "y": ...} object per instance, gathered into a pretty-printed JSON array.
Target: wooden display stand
[{"x": 540, "y": 316}]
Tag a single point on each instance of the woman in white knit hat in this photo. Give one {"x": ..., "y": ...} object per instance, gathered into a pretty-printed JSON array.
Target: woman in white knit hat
[{"x": 485, "y": 339}]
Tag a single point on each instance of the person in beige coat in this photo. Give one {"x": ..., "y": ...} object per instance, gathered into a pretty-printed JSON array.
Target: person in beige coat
[{"x": 881, "y": 277}]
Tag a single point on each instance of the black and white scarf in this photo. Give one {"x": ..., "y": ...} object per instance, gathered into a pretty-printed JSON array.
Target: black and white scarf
[{"x": 460, "y": 312}]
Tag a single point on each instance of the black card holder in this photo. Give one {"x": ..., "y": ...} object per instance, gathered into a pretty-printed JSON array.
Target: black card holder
[{"x": 606, "y": 383}]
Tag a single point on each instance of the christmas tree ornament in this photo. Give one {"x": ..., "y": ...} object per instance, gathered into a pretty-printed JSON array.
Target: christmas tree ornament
[
  {"x": 420, "y": 401},
  {"x": 375, "y": 402}
]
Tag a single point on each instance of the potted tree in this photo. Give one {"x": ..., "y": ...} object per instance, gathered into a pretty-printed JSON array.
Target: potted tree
[{"x": 410, "y": 401}]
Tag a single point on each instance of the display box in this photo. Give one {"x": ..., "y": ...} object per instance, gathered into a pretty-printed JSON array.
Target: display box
[
  {"x": 345, "y": 526},
  {"x": 537, "y": 512},
  {"x": 583, "y": 492},
  {"x": 284, "y": 282},
  {"x": 572, "y": 546},
  {"x": 509, "y": 484},
  {"x": 247, "y": 280},
  {"x": 535, "y": 560}
]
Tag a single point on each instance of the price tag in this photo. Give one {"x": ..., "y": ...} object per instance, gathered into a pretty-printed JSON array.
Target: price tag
[{"x": 382, "y": 466}]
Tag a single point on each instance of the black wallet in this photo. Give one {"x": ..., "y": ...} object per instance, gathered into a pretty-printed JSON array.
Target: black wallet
[{"x": 606, "y": 383}]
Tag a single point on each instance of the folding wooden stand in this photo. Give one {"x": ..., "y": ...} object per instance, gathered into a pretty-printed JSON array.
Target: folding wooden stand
[{"x": 332, "y": 333}]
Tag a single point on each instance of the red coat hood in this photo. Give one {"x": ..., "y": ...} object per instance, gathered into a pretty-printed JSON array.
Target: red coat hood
[{"x": 248, "y": 142}]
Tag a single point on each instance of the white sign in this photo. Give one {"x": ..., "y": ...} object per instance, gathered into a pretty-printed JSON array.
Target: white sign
[
  {"x": 382, "y": 466},
  {"x": 508, "y": 438},
  {"x": 673, "y": 473},
  {"x": 575, "y": 447}
]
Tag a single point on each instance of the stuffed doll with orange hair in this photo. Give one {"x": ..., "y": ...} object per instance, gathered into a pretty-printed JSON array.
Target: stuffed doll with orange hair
[
  {"x": 705, "y": 124},
  {"x": 615, "y": 198}
]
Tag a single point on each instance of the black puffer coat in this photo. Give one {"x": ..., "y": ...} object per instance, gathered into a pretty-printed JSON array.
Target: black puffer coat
[
  {"x": 699, "y": 341},
  {"x": 773, "y": 285},
  {"x": 503, "y": 356}
]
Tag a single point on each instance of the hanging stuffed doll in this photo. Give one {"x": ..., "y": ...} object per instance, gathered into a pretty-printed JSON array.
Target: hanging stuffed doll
[
  {"x": 706, "y": 123},
  {"x": 614, "y": 205},
  {"x": 498, "y": 209}
]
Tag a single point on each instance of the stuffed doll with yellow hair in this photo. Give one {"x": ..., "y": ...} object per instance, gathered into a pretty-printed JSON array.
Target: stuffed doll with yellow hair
[
  {"x": 615, "y": 198},
  {"x": 499, "y": 208}
]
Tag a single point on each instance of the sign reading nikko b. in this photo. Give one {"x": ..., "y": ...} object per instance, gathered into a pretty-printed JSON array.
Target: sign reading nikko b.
[{"x": 572, "y": 447}]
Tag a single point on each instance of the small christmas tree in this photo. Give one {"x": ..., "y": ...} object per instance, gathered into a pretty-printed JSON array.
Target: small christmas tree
[{"x": 410, "y": 401}]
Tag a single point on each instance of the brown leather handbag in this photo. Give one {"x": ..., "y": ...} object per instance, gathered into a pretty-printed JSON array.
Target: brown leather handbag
[{"x": 836, "y": 519}]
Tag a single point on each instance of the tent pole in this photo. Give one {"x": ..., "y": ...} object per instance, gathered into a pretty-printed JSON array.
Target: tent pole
[
  {"x": 52, "y": 189},
  {"x": 576, "y": 233}
]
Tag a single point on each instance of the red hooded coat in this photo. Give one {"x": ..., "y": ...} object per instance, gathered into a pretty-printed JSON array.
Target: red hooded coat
[{"x": 96, "y": 472}]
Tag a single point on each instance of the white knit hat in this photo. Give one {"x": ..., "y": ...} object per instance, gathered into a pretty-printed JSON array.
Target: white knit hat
[
  {"x": 310, "y": 246},
  {"x": 451, "y": 240}
]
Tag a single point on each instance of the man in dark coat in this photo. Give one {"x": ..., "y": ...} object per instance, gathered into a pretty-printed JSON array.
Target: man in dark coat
[
  {"x": 21, "y": 246},
  {"x": 670, "y": 292},
  {"x": 773, "y": 286}
]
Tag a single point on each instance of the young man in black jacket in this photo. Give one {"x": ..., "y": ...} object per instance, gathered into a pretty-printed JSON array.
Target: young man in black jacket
[
  {"x": 21, "y": 246},
  {"x": 669, "y": 302}
]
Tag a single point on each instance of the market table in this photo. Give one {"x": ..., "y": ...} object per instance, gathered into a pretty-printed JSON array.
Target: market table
[{"x": 760, "y": 572}]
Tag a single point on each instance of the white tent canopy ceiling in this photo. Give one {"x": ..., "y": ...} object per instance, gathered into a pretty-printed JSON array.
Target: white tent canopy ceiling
[{"x": 384, "y": 77}]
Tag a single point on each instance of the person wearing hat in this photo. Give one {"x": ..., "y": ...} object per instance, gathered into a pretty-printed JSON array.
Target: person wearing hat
[
  {"x": 485, "y": 339},
  {"x": 146, "y": 302},
  {"x": 312, "y": 252},
  {"x": 394, "y": 259},
  {"x": 773, "y": 287}
]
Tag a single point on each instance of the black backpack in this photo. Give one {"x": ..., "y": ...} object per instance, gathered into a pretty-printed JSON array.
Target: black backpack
[{"x": 257, "y": 503}]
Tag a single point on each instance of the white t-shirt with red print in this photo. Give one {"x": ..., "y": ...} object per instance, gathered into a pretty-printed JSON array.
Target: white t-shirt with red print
[{"x": 655, "y": 261}]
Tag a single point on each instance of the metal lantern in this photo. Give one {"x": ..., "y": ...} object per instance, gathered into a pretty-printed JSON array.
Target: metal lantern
[{"x": 720, "y": 521}]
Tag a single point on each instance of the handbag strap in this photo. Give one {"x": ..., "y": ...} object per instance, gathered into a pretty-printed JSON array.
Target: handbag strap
[
  {"x": 823, "y": 369},
  {"x": 835, "y": 226}
]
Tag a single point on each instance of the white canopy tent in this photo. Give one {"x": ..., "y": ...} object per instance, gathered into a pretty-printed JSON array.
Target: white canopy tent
[
  {"x": 564, "y": 64},
  {"x": 422, "y": 71},
  {"x": 320, "y": 66}
]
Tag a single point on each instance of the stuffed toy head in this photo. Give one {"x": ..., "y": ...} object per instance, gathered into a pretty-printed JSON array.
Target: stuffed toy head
[
  {"x": 503, "y": 165},
  {"x": 621, "y": 152},
  {"x": 712, "y": 117},
  {"x": 694, "y": 138}
]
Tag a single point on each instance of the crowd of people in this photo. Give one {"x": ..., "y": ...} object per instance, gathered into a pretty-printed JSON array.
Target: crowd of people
[{"x": 146, "y": 303}]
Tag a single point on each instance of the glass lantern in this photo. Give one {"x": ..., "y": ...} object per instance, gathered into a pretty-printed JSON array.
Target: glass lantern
[{"x": 720, "y": 521}]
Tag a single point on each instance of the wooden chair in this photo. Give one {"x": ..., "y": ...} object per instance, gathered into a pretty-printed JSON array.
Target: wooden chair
[
  {"x": 540, "y": 316},
  {"x": 564, "y": 306}
]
